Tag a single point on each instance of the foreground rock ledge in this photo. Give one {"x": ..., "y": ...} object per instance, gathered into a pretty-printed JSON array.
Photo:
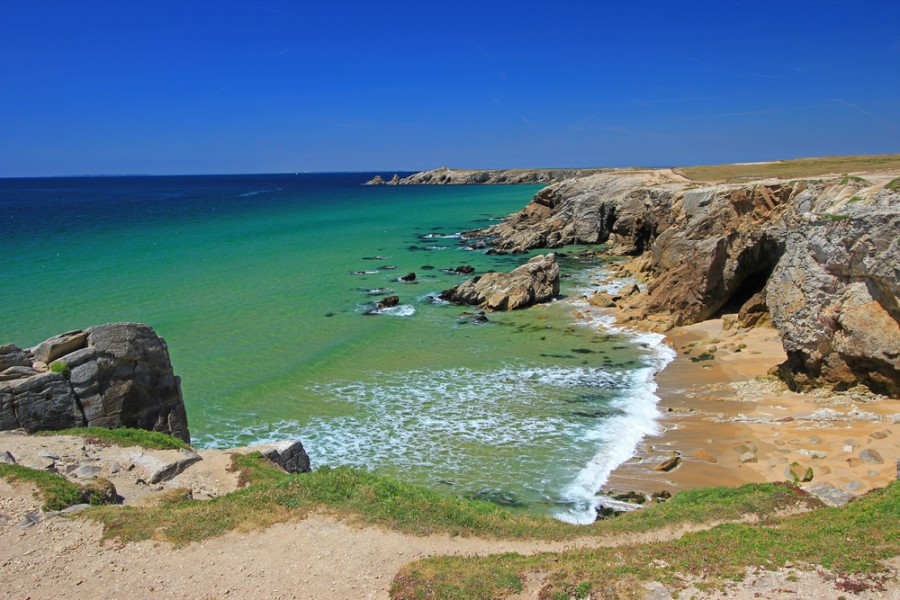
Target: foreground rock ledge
[
  {"x": 534, "y": 282},
  {"x": 113, "y": 375}
]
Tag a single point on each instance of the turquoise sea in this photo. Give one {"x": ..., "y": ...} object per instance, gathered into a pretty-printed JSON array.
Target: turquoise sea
[{"x": 260, "y": 285}]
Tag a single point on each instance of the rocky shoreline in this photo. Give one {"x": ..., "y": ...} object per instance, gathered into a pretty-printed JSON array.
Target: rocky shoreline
[
  {"x": 820, "y": 259},
  {"x": 446, "y": 176}
]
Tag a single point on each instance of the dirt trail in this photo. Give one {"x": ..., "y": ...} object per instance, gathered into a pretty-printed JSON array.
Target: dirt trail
[{"x": 318, "y": 557}]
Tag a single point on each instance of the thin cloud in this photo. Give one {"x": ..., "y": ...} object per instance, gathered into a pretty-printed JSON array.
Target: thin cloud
[{"x": 858, "y": 108}]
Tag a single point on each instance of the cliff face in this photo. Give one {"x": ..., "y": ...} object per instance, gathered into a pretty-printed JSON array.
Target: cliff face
[
  {"x": 114, "y": 375},
  {"x": 445, "y": 176},
  {"x": 824, "y": 255}
]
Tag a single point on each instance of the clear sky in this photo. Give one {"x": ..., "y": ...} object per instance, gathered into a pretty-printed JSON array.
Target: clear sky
[{"x": 187, "y": 86}]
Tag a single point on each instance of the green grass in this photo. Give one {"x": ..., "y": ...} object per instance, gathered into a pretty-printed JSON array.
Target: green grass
[
  {"x": 855, "y": 199},
  {"x": 848, "y": 178},
  {"x": 60, "y": 367},
  {"x": 851, "y": 540},
  {"x": 56, "y": 491},
  {"x": 272, "y": 496},
  {"x": 894, "y": 184},
  {"x": 125, "y": 437}
]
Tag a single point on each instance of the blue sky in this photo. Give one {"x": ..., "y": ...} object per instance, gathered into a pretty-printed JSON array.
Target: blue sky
[{"x": 270, "y": 86}]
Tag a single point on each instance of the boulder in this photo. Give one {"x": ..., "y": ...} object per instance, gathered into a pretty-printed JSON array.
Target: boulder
[
  {"x": 59, "y": 345},
  {"x": 114, "y": 375},
  {"x": 534, "y": 282},
  {"x": 289, "y": 455},
  {"x": 159, "y": 469},
  {"x": 408, "y": 277}
]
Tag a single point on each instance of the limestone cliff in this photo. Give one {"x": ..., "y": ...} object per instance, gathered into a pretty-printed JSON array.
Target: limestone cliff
[
  {"x": 824, "y": 254},
  {"x": 114, "y": 375}
]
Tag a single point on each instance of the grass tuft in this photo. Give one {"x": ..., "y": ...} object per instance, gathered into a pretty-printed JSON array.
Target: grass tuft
[
  {"x": 56, "y": 491},
  {"x": 124, "y": 436}
]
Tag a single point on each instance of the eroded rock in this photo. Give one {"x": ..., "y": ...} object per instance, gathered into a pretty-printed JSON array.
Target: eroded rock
[
  {"x": 534, "y": 282},
  {"x": 114, "y": 375}
]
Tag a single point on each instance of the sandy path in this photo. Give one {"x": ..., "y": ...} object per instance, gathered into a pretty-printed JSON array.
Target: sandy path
[{"x": 318, "y": 557}]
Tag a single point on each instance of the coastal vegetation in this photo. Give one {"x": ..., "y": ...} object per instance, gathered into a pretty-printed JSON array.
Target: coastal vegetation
[
  {"x": 56, "y": 491},
  {"x": 800, "y": 168},
  {"x": 849, "y": 542},
  {"x": 271, "y": 496},
  {"x": 125, "y": 437}
]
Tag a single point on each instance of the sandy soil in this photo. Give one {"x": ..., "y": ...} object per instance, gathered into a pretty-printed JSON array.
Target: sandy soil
[{"x": 731, "y": 424}]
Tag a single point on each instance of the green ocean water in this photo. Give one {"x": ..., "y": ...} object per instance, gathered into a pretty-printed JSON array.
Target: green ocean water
[{"x": 259, "y": 285}]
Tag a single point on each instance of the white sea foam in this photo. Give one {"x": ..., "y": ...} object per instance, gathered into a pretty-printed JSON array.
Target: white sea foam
[
  {"x": 487, "y": 429},
  {"x": 619, "y": 436}
]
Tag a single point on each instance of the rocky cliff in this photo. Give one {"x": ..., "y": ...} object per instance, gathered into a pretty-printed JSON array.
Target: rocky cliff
[
  {"x": 114, "y": 375},
  {"x": 445, "y": 176},
  {"x": 821, "y": 256}
]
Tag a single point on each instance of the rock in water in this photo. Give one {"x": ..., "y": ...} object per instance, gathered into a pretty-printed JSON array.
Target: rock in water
[
  {"x": 388, "y": 302},
  {"x": 534, "y": 282},
  {"x": 114, "y": 375}
]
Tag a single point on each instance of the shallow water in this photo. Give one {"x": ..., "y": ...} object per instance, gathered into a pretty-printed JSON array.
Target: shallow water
[{"x": 260, "y": 284}]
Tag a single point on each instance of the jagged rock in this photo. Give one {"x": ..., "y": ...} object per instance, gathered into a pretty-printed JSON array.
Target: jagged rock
[
  {"x": 288, "y": 455},
  {"x": 445, "y": 176},
  {"x": 828, "y": 270},
  {"x": 408, "y": 277},
  {"x": 377, "y": 180},
  {"x": 754, "y": 311},
  {"x": 159, "y": 470},
  {"x": 114, "y": 375},
  {"x": 833, "y": 297},
  {"x": 534, "y": 282}
]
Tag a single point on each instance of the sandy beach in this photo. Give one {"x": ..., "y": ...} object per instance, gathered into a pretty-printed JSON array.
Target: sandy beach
[{"x": 732, "y": 423}]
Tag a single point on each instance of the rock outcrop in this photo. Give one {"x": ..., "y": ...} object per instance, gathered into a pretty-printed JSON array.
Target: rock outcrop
[
  {"x": 445, "y": 176},
  {"x": 820, "y": 258},
  {"x": 534, "y": 282},
  {"x": 289, "y": 455},
  {"x": 114, "y": 375},
  {"x": 834, "y": 298}
]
